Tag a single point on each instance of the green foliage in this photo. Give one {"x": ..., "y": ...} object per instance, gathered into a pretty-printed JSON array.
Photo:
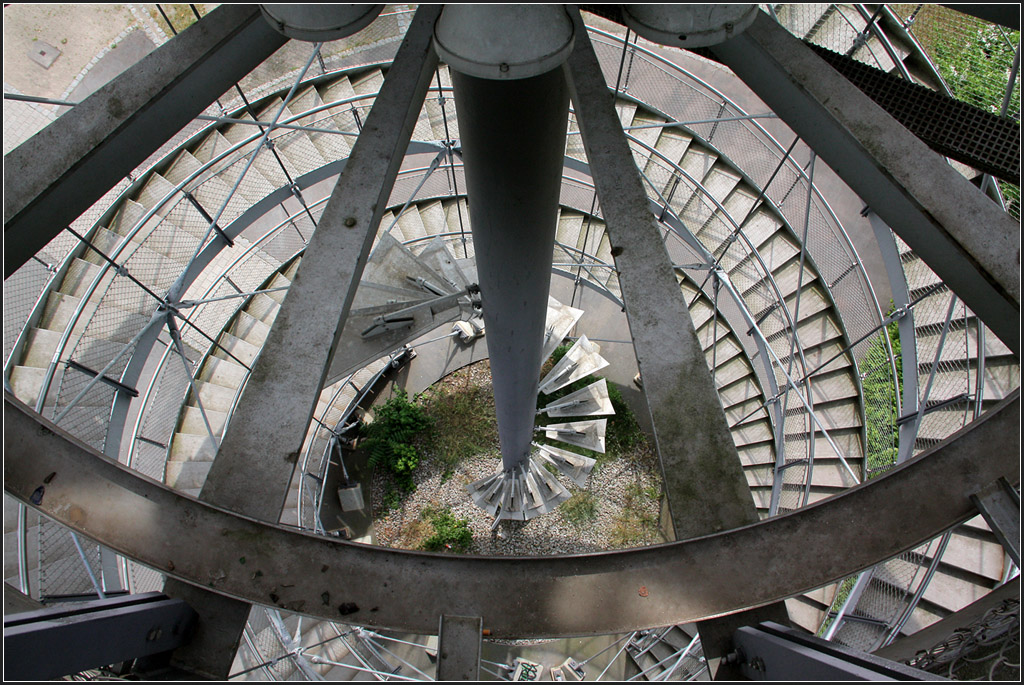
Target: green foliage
[
  {"x": 389, "y": 439},
  {"x": 976, "y": 63},
  {"x": 580, "y": 509},
  {"x": 881, "y": 394},
  {"x": 392, "y": 498},
  {"x": 450, "y": 533},
  {"x": 637, "y": 523},
  {"x": 463, "y": 423}
]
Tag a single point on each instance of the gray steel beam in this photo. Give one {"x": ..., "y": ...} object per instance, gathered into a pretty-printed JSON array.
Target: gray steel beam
[
  {"x": 706, "y": 488},
  {"x": 962, "y": 235},
  {"x": 218, "y": 630},
  {"x": 999, "y": 503},
  {"x": 60, "y": 641},
  {"x": 458, "y": 650},
  {"x": 513, "y": 143},
  {"x": 52, "y": 178},
  {"x": 773, "y": 652},
  {"x": 262, "y": 442},
  {"x": 555, "y": 596}
]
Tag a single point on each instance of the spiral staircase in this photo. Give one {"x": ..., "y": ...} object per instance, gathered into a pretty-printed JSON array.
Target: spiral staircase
[{"x": 783, "y": 308}]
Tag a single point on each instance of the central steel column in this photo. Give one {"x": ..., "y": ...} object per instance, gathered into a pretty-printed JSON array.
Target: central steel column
[{"x": 512, "y": 102}]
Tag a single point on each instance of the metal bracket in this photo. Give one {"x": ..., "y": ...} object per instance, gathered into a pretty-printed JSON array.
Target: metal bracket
[{"x": 117, "y": 385}]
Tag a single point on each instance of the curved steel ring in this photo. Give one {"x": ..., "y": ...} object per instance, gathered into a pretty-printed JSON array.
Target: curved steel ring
[{"x": 611, "y": 592}]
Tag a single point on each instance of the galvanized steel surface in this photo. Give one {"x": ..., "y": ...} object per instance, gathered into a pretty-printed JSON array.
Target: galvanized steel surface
[{"x": 573, "y": 595}]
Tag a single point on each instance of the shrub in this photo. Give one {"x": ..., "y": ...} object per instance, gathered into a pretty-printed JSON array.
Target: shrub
[
  {"x": 450, "y": 533},
  {"x": 388, "y": 440}
]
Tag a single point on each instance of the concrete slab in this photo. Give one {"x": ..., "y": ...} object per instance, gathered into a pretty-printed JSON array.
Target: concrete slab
[{"x": 43, "y": 54}]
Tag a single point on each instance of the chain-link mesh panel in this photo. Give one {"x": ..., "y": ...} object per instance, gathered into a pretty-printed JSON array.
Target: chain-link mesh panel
[
  {"x": 266, "y": 646},
  {"x": 880, "y": 392},
  {"x": 973, "y": 56},
  {"x": 62, "y": 569},
  {"x": 142, "y": 579},
  {"x": 163, "y": 405},
  {"x": 841, "y": 28}
]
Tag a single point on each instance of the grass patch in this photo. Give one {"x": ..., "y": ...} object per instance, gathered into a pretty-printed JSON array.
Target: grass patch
[
  {"x": 580, "y": 509},
  {"x": 637, "y": 523},
  {"x": 449, "y": 533},
  {"x": 463, "y": 422}
]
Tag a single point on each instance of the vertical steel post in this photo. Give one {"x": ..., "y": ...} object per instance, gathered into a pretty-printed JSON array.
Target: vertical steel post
[
  {"x": 513, "y": 106},
  {"x": 513, "y": 139}
]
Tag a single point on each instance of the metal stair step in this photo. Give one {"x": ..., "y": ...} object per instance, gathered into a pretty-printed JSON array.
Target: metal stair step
[
  {"x": 40, "y": 345},
  {"x": 156, "y": 189},
  {"x": 244, "y": 351},
  {"x": 331, "y": 146},
  {"x": 265, "y": 164},
  {"x": 223, "y": 372},
  {"x": 192, "y": 447},
  {"x": 752, "y": 433},
  {"x": 192, "y": 422},
  {"x": 211, "y": 191},
  {"x": 250, "y": 329},
  {"x": 27, "y": 383},
  {"x": 216, "y": 397},
  {"x": 368, "y": 82},
  {"x": 412, "y": 224},
  {"x": 805, "y": 613},
  {"x": 188, "y": 476},
  {"x": 433, "y": 217},
  {"x": 742, "y": 389},
  {"x": 58, "y": 310},
  {"x": 757, "y": 454}
]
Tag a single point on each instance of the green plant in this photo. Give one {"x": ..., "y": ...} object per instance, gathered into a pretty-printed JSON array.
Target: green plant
[
  {"x": 392, "y": 498},
  {"x": 580, "y": 509},
  {"x": 463, "y": 423},
  {"x": 388, "y": 440},
  {"x": 450, "y": 533},
  {"x": 881, "y": 405}
]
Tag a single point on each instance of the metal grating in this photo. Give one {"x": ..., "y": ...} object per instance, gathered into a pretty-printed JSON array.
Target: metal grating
[{"x": 956, "y": 129}]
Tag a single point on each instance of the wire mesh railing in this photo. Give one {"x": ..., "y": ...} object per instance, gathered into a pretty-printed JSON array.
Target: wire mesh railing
[{"x": 123, "y": 290}]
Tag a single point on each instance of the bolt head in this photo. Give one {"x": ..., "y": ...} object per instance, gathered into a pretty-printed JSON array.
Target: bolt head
[{"x": 350, "y": 221}]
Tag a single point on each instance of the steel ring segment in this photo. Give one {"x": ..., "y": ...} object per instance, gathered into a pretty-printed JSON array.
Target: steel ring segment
[{"x": 612, "y": 592}]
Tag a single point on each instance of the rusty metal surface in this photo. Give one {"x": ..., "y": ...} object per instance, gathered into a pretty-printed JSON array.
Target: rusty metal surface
[{"x": 560, "y": 596}]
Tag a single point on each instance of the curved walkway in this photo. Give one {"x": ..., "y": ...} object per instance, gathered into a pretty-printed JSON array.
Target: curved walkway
[{"x": 575, "y": 595}]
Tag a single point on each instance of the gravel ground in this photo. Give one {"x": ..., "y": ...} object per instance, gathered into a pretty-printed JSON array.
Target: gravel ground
[{"x": 625, "y": 490}]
